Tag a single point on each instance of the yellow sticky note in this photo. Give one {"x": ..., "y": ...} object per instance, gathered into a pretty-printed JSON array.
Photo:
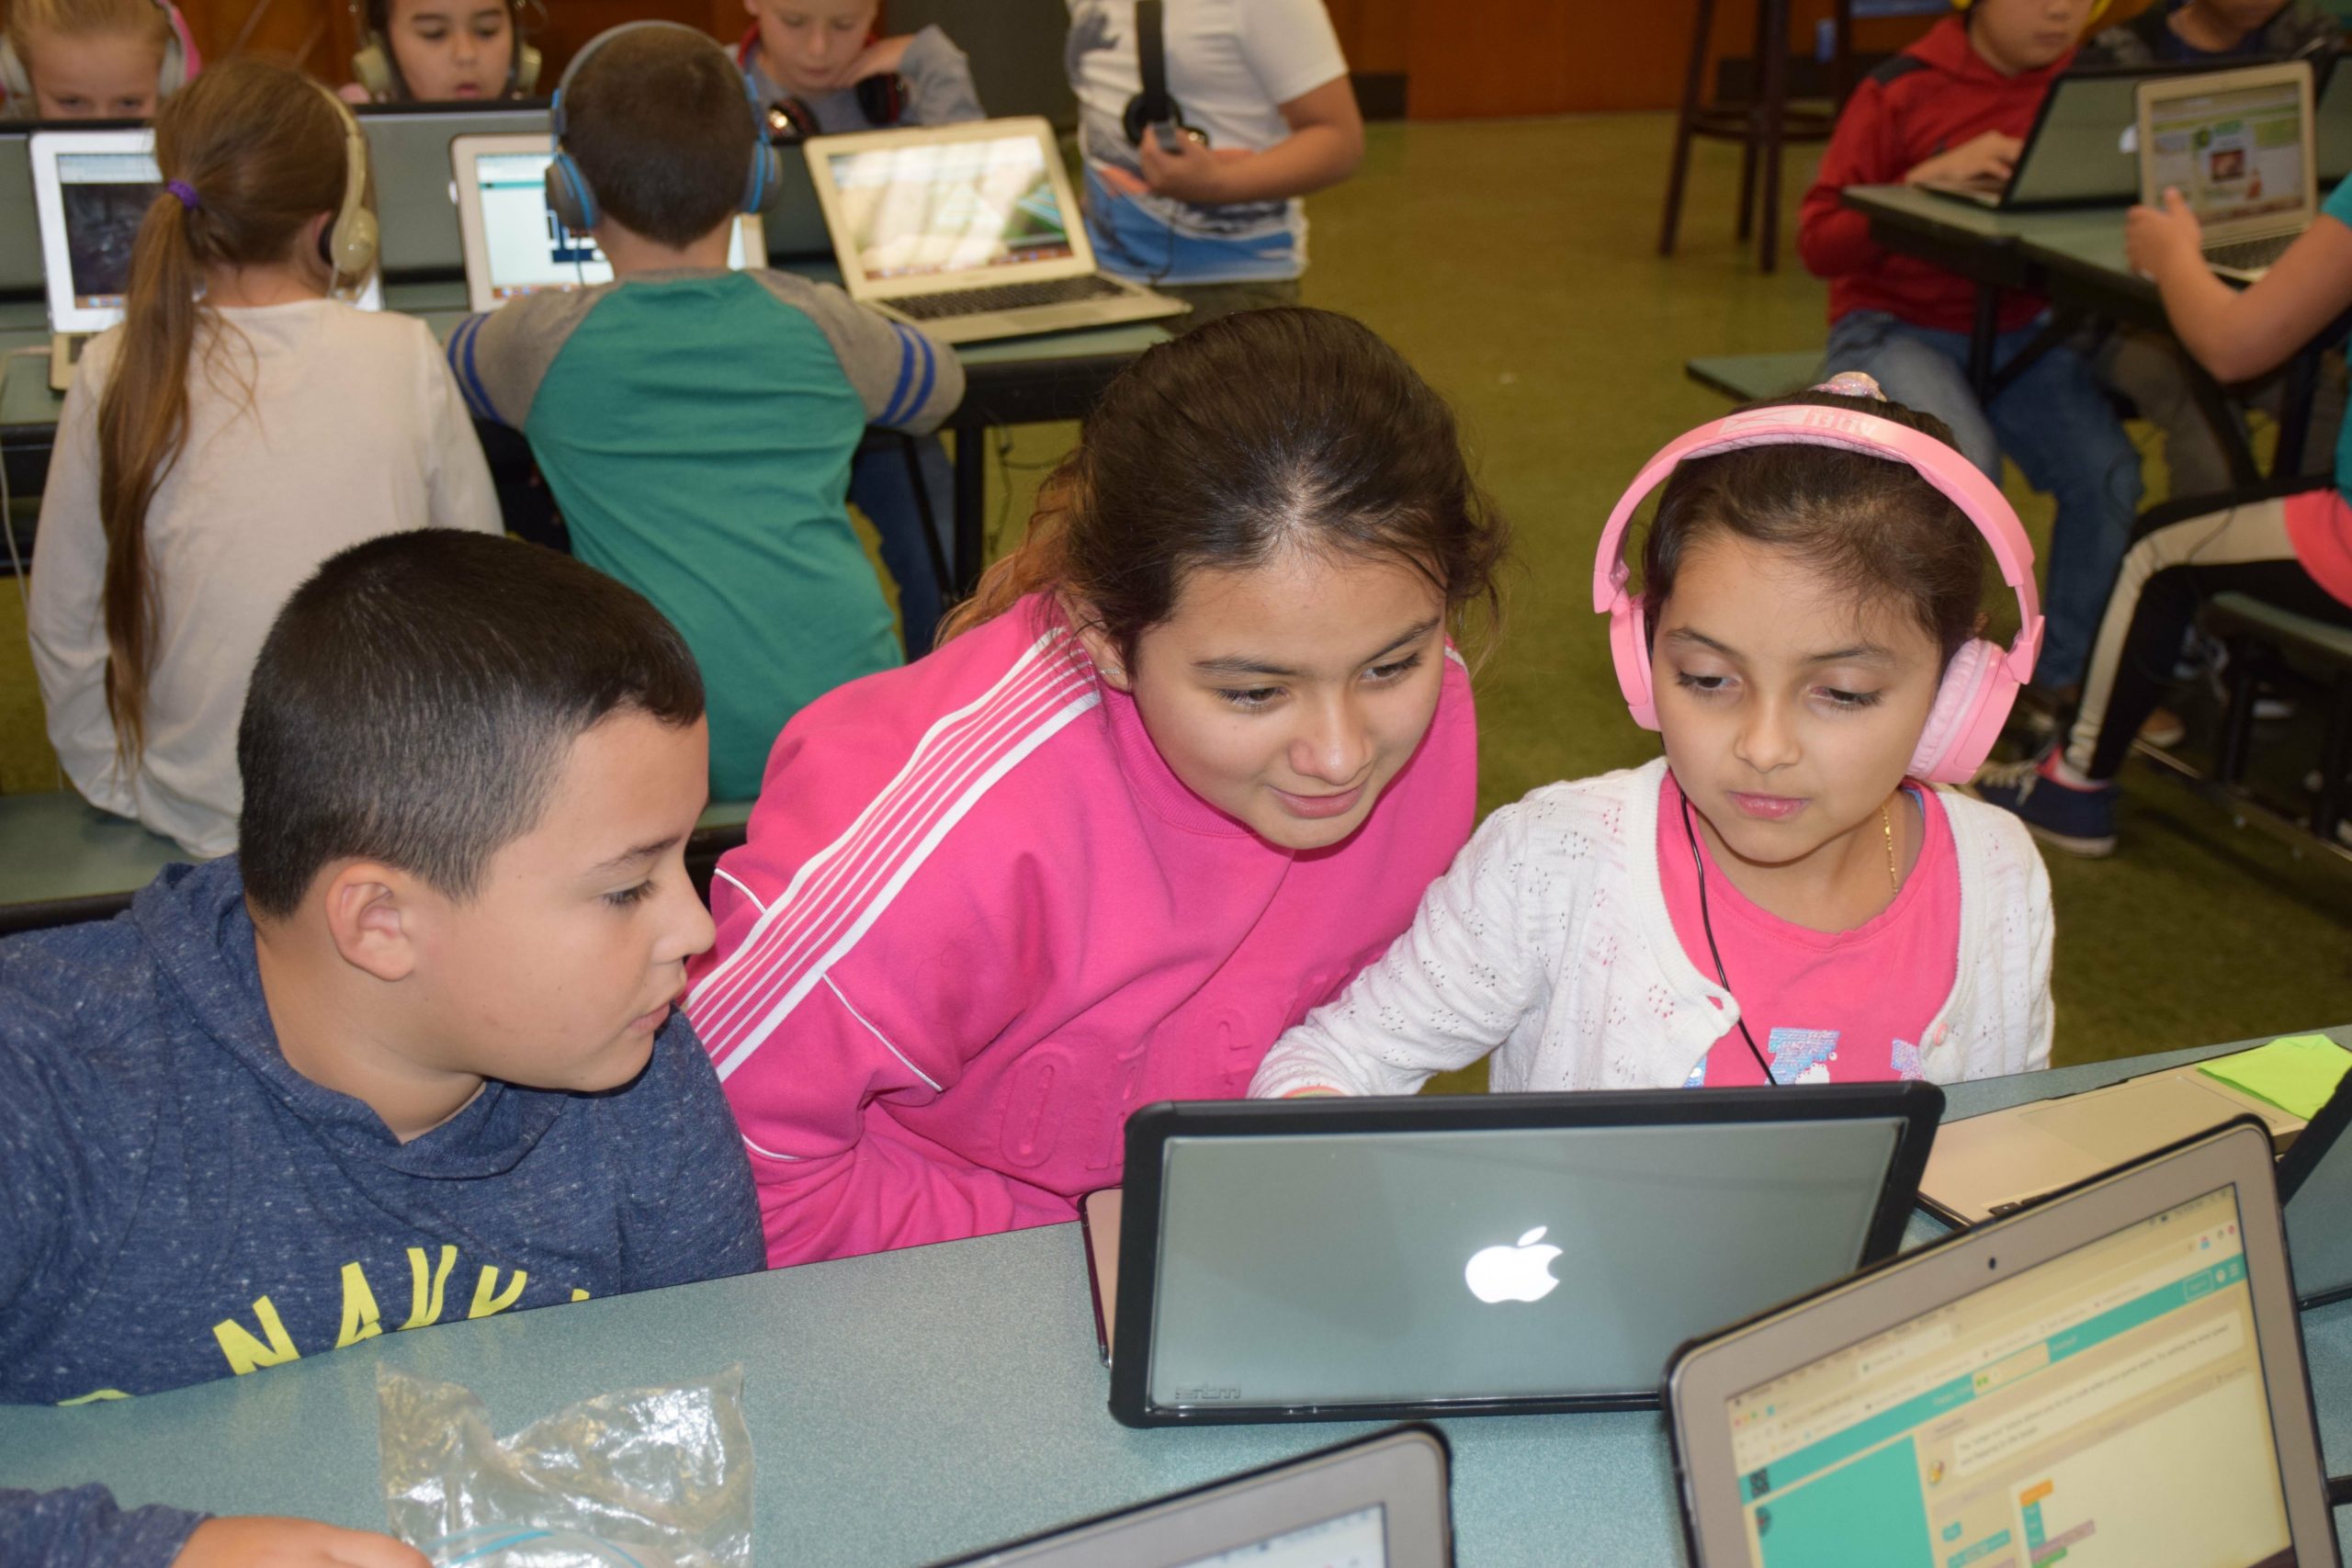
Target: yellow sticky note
[{"x": 2297, "y": 1074}]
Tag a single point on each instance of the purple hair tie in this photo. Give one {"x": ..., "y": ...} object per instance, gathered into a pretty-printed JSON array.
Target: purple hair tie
[{"x": 185, "y": 192}]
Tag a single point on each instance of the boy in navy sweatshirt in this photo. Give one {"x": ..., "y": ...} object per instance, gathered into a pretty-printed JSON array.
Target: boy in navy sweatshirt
[
  {"x": 1956, "y": 106},
  {"x": 410, "y": 1056}
]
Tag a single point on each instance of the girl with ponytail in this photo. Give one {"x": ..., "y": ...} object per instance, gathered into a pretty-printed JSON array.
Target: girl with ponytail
[
  {"x": 1179, "y": 774},
  {"x": 239, "y": 426}
]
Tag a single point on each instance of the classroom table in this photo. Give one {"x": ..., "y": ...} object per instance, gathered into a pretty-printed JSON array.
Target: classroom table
[
  {"x": 1055, "y": 376},
  {"x": 2074, "y": 257},
  {"x": 914, "y": 1405}
]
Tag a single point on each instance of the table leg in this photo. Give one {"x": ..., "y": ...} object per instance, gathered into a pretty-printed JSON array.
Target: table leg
[
  {"x": 2227, "y": 427},
  {"x": 971, "y": 507},
  {"x": 1980, "y": 342},
  {"x": 2295, "y": 412}
]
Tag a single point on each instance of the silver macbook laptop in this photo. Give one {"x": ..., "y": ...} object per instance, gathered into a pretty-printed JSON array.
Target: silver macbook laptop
[
  {"x": 510, "y": 240},
  {"x": 1986, "y": 1166},
  {"x": 1328, "y": 1259},
  {"x": 2114, "y": 1376},
  {"x": 2080, "y": 152},
  {"x": 2238, "y": 147},
  {"x": 20, "y": 263},
  {"x": 417, "y": 199},
  {"x": 969, "y": 231},
  {"x": 1379, "y": 1502}
]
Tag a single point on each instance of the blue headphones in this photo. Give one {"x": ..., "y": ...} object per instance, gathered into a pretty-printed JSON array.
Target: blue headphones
[{"x": 569, "y": 197}]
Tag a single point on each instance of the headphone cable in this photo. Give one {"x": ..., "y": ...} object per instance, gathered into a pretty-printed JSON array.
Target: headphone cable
[{"x": 1706, "y": 924}]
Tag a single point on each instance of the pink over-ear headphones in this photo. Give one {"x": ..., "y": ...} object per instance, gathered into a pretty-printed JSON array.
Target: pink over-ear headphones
[{"x": 1981, "y": 681}]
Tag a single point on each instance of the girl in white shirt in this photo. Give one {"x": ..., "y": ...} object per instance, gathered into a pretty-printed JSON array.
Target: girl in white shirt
[
  {"x": 239, "y": 427},
  {"x": 1780, "y": 897}
]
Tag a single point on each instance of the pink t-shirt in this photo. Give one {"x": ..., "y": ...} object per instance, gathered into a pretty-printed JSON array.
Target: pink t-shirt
[{"x": 1843, "y": 1007}]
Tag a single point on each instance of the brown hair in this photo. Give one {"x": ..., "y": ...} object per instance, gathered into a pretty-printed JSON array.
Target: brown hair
[
  {"x": 84, "y": 18},
  {"x": 657, "y": 120},
  {"x": 1871, "y": 524},
  {"x": 1256, "y": 433},
  {"x": 263, "y": 148}
]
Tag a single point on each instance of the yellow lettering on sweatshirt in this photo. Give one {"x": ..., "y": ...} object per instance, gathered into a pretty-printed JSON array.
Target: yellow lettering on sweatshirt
[
  {"x": 360, "y": 1318},
  {"x": 247, "y": 1353},
  {"x": 423, "y": 1304},
  {"x": 489, "y": 1298}
]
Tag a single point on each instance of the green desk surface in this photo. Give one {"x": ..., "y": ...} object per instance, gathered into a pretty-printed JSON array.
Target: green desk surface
[
  {"x": 910, "y": 1406},
  {"x": 26, "y": 401}
]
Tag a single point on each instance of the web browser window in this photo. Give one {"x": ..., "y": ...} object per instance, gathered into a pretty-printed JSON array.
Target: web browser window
[
  {"x": 2232, "y": 155},
  {"x": 2107, "y": 1407},
  {"x": 926, "y": 209},
  {"x": 1353, "y": 1541}
]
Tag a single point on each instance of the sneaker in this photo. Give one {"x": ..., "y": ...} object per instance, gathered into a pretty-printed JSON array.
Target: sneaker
[
  {"x": 2080, "y": 821},
  {"x": 2164, "y": 730}
]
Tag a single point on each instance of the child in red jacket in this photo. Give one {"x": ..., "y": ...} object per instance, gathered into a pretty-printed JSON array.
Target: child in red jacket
[{"x": 1956, "y": 105}]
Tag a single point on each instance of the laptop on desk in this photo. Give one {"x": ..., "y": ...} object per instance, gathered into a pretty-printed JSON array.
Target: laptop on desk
[
  {"x": 2079, "y": 153},
  {"x": 1986, "y": 1166},
  {"x": 408, "y": 158},
  {"x": 510, "y": 240},
  {"x": 90, "y": 192},
  {"x": 2238, "y": 146},
  {"x": 969, "y": 231},
  {"x": 2114, "y": 1376},
  {"x": 1335, "y": 1260}
]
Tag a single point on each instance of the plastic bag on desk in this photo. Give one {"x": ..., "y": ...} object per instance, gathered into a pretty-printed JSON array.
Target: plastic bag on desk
[{"x": 654, "y": 1477}]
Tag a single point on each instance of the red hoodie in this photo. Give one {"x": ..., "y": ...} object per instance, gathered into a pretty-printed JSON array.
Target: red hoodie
[{"x": 1933, "y": 96}]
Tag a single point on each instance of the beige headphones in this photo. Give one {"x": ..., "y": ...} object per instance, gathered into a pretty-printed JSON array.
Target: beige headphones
[
  {"x": 349, "y": 247},
  {"x": 374, "y": 68}
]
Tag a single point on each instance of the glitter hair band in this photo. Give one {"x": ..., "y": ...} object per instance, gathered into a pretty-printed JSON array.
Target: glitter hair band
[{"x": 1852, "y": 384}]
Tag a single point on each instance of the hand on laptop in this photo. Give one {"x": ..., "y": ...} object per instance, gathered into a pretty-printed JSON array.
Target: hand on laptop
[
  {"x": 291, "y": 1543},
  {"x": 2156, "y": 238},
  {"x": 1988, "y": 159}
]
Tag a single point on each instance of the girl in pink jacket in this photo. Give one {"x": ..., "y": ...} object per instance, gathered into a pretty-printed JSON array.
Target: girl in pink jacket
[{"x": 1185, "y": 766}]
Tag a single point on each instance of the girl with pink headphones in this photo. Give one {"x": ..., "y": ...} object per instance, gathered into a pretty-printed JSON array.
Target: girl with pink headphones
[
  {"x": 93, "y": 59},
  {"x": 1780, "y": 897}
]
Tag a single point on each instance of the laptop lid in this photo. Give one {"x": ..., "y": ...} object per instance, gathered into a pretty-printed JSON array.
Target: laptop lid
[
  {"x": 1379, "y": 1502},
  {"x": 2332, "y": 127},
  {"x": 2084, "y": 150},
  {"x": 2316, "y": 1186},
  {"x": 1323, "y": 1259},
  {"x": 2115, "y": 1375},
  {"x": 512, "y": 242},
  {"x": 20, "y": 263},
  {"x": 91, "y": 190},
  {"x": 2236, "y": 144},
  {"x": 923, "y": 211},
  {"x": 408, "y": 153}
]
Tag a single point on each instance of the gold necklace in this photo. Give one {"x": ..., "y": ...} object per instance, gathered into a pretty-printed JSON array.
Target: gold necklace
[{"x": 1886, "y": 824}]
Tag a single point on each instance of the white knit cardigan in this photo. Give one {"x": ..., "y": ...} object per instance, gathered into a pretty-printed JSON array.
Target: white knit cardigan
[{"x": 1548, "y": 944}]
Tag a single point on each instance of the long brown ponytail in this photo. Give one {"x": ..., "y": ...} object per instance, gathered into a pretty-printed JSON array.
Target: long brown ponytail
[{"x": 261, "y": 151}]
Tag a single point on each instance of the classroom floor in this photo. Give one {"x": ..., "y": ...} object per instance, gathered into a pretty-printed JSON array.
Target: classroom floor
[{"x": 1515, "y": 264}]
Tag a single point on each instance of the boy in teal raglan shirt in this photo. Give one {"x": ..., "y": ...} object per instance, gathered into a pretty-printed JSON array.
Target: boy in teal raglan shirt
[{"x": 695, "y": 424}]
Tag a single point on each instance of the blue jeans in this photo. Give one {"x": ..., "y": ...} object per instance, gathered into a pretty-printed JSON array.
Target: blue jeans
[
  {"x": 881, "y": 487},
  {"x": 2063, "y": 434}
]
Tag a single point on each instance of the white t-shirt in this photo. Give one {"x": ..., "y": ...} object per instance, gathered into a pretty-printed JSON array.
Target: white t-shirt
[
  {"x": 1231, "y": 64},
  {"x": 355, "y": 428}
]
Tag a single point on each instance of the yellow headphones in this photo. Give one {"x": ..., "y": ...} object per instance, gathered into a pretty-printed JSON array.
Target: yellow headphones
[{"x": 349, "y": 247}]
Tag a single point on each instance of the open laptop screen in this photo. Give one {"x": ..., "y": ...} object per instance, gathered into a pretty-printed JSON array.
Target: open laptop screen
[
  {"x": 104, "y": 198},
  {"x": 930, "y": 207},
  {"x": 526, "y": 250},
  {"x": 2038, "y": 1418},
  {"x": 2235, "y": 154}
]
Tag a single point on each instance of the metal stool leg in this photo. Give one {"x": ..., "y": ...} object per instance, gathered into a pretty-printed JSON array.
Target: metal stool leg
[
  {"x": 1772, "y": 58},
  {"x": 1694, "y": 81}
]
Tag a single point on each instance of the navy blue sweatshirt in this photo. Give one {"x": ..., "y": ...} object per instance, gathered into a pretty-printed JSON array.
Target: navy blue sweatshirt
[{"x": 181, "y": 1205}]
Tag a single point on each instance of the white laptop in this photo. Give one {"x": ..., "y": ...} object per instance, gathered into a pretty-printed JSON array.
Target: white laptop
[
  {"x": 1379, "y": 1502},
  {"x": 510, "y": 240},
  {"x": 969, "y": 231},
  {"x": 92, "y": 190},
  {"x": 1333, "y": 1259},
  {"x": 2114, "y": 1376},
  {"x": 2238, "y": 146}
]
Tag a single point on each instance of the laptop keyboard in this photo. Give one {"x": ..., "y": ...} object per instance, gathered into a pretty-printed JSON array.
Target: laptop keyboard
[
  {"x": 1005, "y": 296},
  {"x": 2249, "y": 256}
]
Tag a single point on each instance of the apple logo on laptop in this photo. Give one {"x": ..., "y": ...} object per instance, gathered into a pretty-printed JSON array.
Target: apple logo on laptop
[{"x": 1518, "y": 1273}]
